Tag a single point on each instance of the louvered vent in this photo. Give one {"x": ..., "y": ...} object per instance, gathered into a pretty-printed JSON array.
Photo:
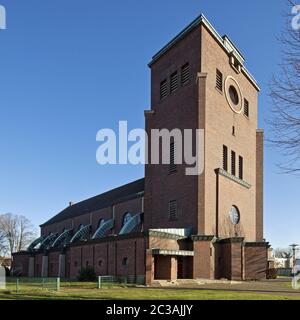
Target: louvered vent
[
  {"x": 163, "y": 89},
  {"x": 246, "y": 108},
  {"x": 185, "y": 74},
  {"x": 174, "y": 82},
  {"x": 241, "y": 168},
  {"x": 219, "y": 80},
  {"x": 225, "y": 158},
  {"x": 172, "y": 165},
  {"x": 233, "y": 165},
  {"x": 173, "y": 210}
]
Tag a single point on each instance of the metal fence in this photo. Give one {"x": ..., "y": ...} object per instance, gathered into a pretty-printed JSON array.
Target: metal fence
[
  {"x": 23, "y": 284},
  {"x": 284, "y": 272},
  {"x": 109, "y": 281}
]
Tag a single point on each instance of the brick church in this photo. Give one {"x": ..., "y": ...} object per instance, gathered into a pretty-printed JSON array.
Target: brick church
[{"x": 170, "y": 225}]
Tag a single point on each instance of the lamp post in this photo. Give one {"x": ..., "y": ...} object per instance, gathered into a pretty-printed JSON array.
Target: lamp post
[{"x": 294, "y": 248}]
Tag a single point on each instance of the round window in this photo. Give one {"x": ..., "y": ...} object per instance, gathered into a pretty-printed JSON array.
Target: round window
[
  {"x": 234, "y": 95},
  {"x": 234, "y": 215}
]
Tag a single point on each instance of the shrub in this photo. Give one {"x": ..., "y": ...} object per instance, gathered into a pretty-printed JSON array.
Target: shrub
[
  {"x": 271, "y": 273},
  {"x": 87, "y": 274}
]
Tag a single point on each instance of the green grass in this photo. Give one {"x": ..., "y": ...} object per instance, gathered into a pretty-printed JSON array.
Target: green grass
[{"x": 87, "y": 291}]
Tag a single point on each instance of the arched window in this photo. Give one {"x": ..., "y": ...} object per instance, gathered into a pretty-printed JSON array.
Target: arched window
[
  {"x": 100, "y": 223},
  {"x": 126, "y": 218}
]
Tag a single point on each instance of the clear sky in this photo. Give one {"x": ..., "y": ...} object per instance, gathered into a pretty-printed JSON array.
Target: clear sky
[{"x": 69, "y": 68}]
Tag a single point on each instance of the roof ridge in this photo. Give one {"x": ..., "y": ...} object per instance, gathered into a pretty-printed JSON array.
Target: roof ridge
[{"x": 105, "y": 199}]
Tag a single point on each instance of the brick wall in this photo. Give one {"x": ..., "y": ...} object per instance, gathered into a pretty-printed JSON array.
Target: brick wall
[
  {"x": 255, "y": 262},
  {"x": 20, "y": 263},
  {"x": 219, "y": 118},
  {"x": 259, "y": 186},
  {"x": 178, "y": 110},
  {"x": 108, "y": 258}
]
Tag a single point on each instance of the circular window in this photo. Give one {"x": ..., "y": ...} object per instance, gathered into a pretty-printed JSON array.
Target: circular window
[
  {"x": 100, "y": 263},
  {"x": 234, "y": 215},
  {"x": 233, "y": 95}
]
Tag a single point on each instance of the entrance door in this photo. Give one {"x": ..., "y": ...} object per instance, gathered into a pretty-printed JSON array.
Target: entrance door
[{"x": 162, "y": 267}]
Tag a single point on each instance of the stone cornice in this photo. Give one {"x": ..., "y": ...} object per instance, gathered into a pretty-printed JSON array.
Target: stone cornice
[
  {"x": 227, "y": 175},
  {"x": 169, "y": 252},
  {"x": 256, "y": 244},
  {"x": 202, "y": 238},
  {"x": 231, "y": 240},
  {"x": 165, "y": 235}
]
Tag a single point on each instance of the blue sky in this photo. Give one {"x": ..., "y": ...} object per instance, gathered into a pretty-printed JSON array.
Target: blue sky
[{"x": 70, "y": 68}]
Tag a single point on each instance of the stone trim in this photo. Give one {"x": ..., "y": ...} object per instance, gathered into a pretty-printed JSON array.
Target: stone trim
[
  {"x": 232, "y": 240},
  {"x": 149, "y": 112},
  {"x": 165, "y": 235},
  {"x": 256, "y": 244},
  {"x": 202, "y": 238},
  {"x": 226, "y": 174},
  {"x": 20, "y": 253},
  {"x": 168, "y": 252}
]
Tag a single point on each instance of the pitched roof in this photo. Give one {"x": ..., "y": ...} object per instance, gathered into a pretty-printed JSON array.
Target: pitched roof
[{"x": 126, "y": 192}]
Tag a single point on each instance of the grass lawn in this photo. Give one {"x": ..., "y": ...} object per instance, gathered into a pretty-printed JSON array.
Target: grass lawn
[{"x": 83, "y": 291}]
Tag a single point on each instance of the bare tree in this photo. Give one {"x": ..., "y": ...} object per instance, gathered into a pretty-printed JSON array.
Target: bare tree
[
  {"x": 285, "y": 94},
  {"x": 2, "y": 243},
  {"x": 17, "y": 232},
  {"x": 283, "y": 253}
]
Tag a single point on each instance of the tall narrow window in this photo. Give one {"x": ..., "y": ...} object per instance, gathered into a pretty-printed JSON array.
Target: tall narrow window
[
  {"x": 173, "y": 210},
  {"x": 174, "y": 82},
  {"x": 172, "y": 165},
  {"x": 241, "y": 168},
  {"x": 219, "y": 80},
  {"x": 225, "y": 158},
  {"x": 163, "y": 89},
  {"x": 246, "y": 108},
  {"x": 233, "y": 166},
  {"x": 185, "y": 74}
]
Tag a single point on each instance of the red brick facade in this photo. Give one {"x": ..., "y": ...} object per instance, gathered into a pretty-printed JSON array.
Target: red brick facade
[{"x": 215, "y": 247}]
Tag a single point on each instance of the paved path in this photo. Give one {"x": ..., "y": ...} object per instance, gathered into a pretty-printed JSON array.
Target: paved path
[{"x": 276, "y": 287}]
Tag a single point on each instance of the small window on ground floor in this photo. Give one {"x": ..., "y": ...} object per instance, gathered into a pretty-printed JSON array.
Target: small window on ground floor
[{"x": 125, "y": 262}]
